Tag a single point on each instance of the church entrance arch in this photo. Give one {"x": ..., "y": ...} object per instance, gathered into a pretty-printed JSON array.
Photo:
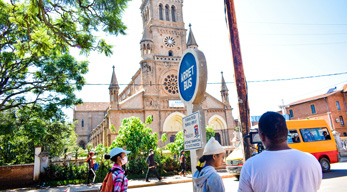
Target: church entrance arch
[
  {"x": 173, "y": 124},
  {"x": 219, "y": 126},
  {"x": 82, "y": 144}
]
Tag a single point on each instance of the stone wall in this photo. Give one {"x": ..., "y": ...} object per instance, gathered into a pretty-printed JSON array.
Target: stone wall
[{"x": 16, "y": 175}]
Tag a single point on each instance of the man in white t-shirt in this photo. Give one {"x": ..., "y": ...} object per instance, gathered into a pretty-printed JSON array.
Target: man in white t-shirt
[{"x": 279, "y": 168}]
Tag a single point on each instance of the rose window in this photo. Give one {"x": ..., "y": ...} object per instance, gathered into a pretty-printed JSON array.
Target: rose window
[{"x": 170, "y": 83}]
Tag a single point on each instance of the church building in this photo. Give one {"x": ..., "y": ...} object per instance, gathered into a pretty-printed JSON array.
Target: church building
[{"x": 153, "y": 89}]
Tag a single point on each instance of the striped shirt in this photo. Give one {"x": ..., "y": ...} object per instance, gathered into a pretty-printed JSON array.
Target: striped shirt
[{"x": 120, "y": 182}]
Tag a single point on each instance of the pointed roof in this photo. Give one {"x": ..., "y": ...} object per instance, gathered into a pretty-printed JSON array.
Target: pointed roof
[
  {"x": 114, "y": 82},
  {"x": 146, "y": 36},
  {"x": 191, "y": 39},
  {"x": 224, "y": 85}
]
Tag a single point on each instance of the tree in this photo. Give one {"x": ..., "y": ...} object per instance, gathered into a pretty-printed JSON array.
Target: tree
[
  {"x": 35, "y": 37},
  {"x": 209, "y": 132},
  {"x": 21, "y": 134},
  {"x": 136, "y": 136},
  {"x": 178, "y": 145}
]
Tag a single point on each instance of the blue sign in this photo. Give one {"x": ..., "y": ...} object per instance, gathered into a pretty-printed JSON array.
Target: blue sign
[{"x": 187, "y": 77}]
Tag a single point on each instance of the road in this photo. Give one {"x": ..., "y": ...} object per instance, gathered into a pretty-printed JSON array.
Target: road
[{"x": 334, "y": 181}]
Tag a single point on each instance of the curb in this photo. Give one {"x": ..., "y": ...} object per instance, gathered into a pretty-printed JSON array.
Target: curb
[
  {"x": 157, "y": 183},
  {"x": 170, "y": 182}
]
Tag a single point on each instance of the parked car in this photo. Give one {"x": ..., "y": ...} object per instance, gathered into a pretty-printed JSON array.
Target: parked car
[{"x": 234, "y": 162}]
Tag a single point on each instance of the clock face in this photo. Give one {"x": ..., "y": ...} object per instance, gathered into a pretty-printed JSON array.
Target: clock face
[{"x": 169, "y": 41}]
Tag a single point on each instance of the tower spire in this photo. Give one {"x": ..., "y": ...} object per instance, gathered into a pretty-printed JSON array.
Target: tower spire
[
  {"x": 224, "y": 85},
  {"x": 191, "y": 43},
  {"x": 146, "y": 44},
  {"x": 114, "y": 89},
  {"x": 114, "y": 82},
  {"x": 224, "y": 92},
  {"x": 146, "y": 36}
]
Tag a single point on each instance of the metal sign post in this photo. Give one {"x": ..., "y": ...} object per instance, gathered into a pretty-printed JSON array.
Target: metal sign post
[{"x": 192, "y": 81}]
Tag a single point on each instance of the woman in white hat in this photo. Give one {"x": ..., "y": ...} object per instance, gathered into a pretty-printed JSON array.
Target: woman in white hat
[
  {"x": 118, "y": 156},
  {"x": 206, "y": 177}
]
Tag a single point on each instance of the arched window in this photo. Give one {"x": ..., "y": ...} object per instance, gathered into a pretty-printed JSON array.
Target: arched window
[
  {"x": 148, "y": 49},
  {"x": 217, "y": 137},
  {"x": 172, "y": 138},
  {"x": 82, "y": 123},
  {"x": 143, "y": 49},
  {"x": 170, "y": 53},
  {"x": 173, "y": 13},
  {"x": 82, "y": 144},
  {"x": 167, "y": 12},
  {"x": 161, "y": 12}
]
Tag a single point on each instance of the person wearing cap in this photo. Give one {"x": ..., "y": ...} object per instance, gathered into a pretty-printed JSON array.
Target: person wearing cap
[
  {"x": 118, "y": 156},
  {"x": 206, "y": 177},
  {"x": 91, "y": 171},
  {"x": 183, "y": 163},
  {"x": 151, "y": 166}
]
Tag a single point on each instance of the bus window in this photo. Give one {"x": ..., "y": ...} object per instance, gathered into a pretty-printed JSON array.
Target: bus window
[
  {"x": 315, "y": 134},
  {"x": 293, "y": 136}
]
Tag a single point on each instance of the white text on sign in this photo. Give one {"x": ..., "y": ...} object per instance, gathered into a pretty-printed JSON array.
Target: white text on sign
[{"x": 186, "y": 78}]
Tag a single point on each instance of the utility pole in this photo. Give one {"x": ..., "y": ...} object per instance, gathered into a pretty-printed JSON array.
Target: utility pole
[
  {"x": 240, "y": 79},
  {"x": 283, "y": 108}
]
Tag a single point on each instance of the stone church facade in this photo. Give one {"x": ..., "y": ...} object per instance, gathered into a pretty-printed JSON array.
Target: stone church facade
[{"x": 153, "y": 89}]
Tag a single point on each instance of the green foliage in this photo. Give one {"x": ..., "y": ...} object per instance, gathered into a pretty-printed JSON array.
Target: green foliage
[
  {"x": 35, "y": 37},
  {"x": 167, "y": 165},
  {"x": 24, "y": 129},
  {"x": 178, "y": 145},
  {"x": 136, "y": 136},
  {"x": 163, "y": 138},
  {"x": 209, "y": 133},
  {"x": 113, "y": 129},
  {"x": 60, "y": 172}
]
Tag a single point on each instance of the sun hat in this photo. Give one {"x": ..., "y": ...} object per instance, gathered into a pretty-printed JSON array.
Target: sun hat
[
  {"x": 116, "y": 151},
  {"x": 213, "y": 147}
]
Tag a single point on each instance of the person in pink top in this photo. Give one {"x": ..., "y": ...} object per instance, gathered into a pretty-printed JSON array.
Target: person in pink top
[{"x": 118, "y": 156}]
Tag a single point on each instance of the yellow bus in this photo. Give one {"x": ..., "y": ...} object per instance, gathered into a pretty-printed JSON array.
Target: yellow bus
[
  {"x": 315, "y": 137},
  {"x": 311, "y": 136}
]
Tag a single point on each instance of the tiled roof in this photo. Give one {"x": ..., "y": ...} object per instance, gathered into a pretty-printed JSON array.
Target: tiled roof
[
  {"x": 315, "y": 98},
  {"x": 92, "y": 106}
]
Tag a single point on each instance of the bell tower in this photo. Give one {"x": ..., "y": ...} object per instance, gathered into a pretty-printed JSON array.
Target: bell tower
[{"x": 162, "y": 45}]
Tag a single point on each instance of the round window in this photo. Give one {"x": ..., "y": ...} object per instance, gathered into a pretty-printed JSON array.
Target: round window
[{"x": 170, "y": 84}]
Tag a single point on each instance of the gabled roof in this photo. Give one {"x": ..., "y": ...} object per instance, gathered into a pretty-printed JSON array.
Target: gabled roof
[
  {"x": 92, "y": 106},
  {"x": 315, "y": 98}
]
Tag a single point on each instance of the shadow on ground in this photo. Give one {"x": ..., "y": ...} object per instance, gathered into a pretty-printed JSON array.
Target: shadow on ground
[{"x": 335, "y": 173}]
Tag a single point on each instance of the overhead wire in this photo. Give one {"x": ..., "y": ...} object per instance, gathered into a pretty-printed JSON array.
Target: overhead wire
[
  {"x": 279, "y": 23},
  {"x": 253, "y": 81}
]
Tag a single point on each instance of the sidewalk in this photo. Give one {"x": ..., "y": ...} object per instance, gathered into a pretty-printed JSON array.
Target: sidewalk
[{"x": 132, "y": 184}]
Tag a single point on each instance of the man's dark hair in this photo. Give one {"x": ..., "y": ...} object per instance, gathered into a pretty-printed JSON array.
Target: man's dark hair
[{"x": 274, "y": 126}]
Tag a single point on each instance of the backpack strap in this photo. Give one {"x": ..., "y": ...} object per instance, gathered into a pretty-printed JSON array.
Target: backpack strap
[{"x": 116, "y": 169}]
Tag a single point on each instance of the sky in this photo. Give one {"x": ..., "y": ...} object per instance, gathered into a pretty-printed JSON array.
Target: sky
[{"x": 279, "y": 40}]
